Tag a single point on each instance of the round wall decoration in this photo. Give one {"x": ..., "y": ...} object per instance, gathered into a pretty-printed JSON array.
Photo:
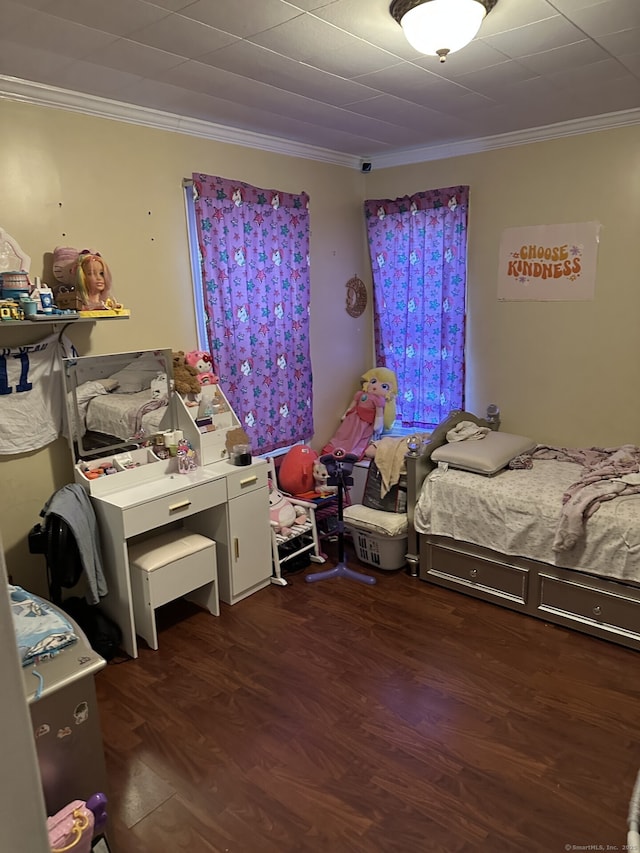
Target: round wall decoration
[{"x": 356, "y": 296}]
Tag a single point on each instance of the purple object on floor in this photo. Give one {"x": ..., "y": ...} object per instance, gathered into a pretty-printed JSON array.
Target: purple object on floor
[{"x": 97, "y": 803}]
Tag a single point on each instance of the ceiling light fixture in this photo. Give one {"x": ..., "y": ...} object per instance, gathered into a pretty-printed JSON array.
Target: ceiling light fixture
[{"x": 440, "y": 27}]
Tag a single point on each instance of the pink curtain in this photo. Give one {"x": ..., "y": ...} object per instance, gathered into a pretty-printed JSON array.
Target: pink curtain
[
  {"x": 254, "y": 248},
  {"x": 418, "y": 249}
]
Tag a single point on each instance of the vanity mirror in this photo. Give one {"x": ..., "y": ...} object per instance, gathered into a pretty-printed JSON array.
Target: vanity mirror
[{"x": 115, "y": 401}]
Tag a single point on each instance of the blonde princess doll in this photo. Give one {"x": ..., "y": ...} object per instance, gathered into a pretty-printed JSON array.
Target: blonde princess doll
[{"x": 372, "y": 409}]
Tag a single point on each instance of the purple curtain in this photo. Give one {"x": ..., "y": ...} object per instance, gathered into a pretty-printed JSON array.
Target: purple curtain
[
  {"x": 254, "y": 249},
  {"x": 418, "y": 248}
]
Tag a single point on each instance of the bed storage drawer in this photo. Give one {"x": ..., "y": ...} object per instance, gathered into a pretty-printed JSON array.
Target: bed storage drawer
[
  {"x": 494, "y": 580},
  {"x": 587, "y": 604}
]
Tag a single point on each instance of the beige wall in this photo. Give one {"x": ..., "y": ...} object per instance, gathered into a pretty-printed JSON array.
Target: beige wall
[
  {"x": 68, "y": 179},
  {"x": 562, "y": 372}
]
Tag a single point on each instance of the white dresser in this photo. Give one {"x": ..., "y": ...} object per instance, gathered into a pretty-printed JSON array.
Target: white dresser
[{"x": 223, "y": 502}]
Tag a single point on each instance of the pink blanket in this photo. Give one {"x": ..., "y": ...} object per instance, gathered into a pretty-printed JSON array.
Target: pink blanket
[{"x": 600, "y": 481}]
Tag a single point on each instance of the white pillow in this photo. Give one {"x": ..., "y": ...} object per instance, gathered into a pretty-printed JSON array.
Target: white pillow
[
  {"x": 486, "y": 455},
  {"x": 137, "y": 375}
]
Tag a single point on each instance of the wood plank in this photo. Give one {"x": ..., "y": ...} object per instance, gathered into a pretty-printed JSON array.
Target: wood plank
[{"x": 341, "y": 717}]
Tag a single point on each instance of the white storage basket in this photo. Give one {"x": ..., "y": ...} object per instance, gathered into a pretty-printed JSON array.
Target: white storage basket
[{"x": 381, "y": 551}]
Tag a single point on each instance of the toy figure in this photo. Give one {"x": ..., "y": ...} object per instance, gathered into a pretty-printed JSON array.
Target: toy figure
[
  {"x": 93, "y": 281},
  {"x": 321, "y": 476},
  {"x": 203, "y": 363},
  {"x": 372, "y": 408}
]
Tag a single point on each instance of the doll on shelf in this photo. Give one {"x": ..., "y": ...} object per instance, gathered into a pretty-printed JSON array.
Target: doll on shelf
[
  {"x": 93, "y": 282},
  {"x": 372, "y": 409}
]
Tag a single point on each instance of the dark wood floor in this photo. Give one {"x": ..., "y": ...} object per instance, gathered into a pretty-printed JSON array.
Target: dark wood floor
[{"x": 398, "y": 718}]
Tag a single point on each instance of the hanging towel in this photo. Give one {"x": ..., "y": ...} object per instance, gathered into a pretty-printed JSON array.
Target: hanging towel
[{"x": 72, "y": 504}]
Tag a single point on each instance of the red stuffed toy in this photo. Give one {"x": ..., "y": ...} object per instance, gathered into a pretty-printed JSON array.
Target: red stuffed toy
[{"x": 295, "y": 474}]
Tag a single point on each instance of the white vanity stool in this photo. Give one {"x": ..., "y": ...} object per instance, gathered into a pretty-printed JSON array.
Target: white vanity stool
[{"x": 166, "y": 567}]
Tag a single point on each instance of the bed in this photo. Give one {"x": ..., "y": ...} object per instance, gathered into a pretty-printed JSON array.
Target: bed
[
  {"x": 116, "y": 397},
  {"x": 124, "y": 415},
  {"x": 502, "y": 538}
]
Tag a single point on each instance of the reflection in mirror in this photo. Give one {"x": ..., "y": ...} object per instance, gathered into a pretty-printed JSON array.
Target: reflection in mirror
[{"x": 115, "y": 402}]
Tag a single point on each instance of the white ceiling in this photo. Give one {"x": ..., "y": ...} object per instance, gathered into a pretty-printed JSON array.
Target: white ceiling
[{"x": 330, "y": 74}]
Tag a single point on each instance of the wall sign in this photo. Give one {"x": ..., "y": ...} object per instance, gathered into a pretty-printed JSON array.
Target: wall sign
[{"x": 548, "y": 262}]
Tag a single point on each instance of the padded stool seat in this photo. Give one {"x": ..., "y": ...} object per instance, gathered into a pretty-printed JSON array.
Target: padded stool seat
[{"x": 169, "y": 566}]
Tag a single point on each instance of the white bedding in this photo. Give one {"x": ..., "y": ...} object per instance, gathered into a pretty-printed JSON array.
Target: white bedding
[
  {"x": 121, "y": 415},
  {"x": 517, "y": 513}
]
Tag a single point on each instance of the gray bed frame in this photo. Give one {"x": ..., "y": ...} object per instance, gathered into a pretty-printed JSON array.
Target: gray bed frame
[{"x": 584, "y": 602}]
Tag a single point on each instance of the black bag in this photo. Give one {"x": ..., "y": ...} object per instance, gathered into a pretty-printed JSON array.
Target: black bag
[
  {"x": 396, "y": 498},
  {"x": 56, "y": 541}
]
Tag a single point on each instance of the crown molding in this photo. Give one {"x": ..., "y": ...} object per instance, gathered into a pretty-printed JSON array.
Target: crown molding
[
  {"x": 575, "y": 127},
  {"x": 40, "y": 94}
]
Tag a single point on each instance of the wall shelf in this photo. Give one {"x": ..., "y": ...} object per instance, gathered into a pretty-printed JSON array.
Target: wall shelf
[{"x": 61, "y": 319}]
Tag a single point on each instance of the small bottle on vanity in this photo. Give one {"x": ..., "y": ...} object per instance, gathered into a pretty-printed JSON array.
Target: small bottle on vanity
[{"x": 159, "y": 447}]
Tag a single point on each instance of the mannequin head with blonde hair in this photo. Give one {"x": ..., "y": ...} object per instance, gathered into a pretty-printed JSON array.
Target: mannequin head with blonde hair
[{"x": 93, "y": 280}]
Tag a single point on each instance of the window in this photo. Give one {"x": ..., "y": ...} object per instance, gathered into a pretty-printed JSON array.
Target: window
[
  {"x": 251, "y": 268},
  {"x": 418, "y": 249}
]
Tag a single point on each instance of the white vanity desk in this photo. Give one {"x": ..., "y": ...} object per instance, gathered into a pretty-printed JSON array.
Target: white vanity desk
[
  {"x": 225, "y": 503},
  {"x": 221, "y": 501}
]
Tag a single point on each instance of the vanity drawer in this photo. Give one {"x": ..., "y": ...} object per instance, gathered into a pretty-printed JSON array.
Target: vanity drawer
[
  {"x": 159, "y": 511},
  {"x": 246, "y": 479},
  {"x": 502, "y": 581}
]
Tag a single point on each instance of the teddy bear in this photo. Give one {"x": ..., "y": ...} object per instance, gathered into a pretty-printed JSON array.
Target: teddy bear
[
  {"x": 202, "y": 362},
  {"x": 185, "y": 377},
  {"x": 283, "y": 514}
]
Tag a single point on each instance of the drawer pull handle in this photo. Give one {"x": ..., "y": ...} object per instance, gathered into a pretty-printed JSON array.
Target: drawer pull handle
[
  {"x": 236, "y": 548},
  {"x": 597, "y": 610},
  {"x": 473, "y": 573},
  {"x": 248, "y": 481},
  {"x": 182, "y": 505}
]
